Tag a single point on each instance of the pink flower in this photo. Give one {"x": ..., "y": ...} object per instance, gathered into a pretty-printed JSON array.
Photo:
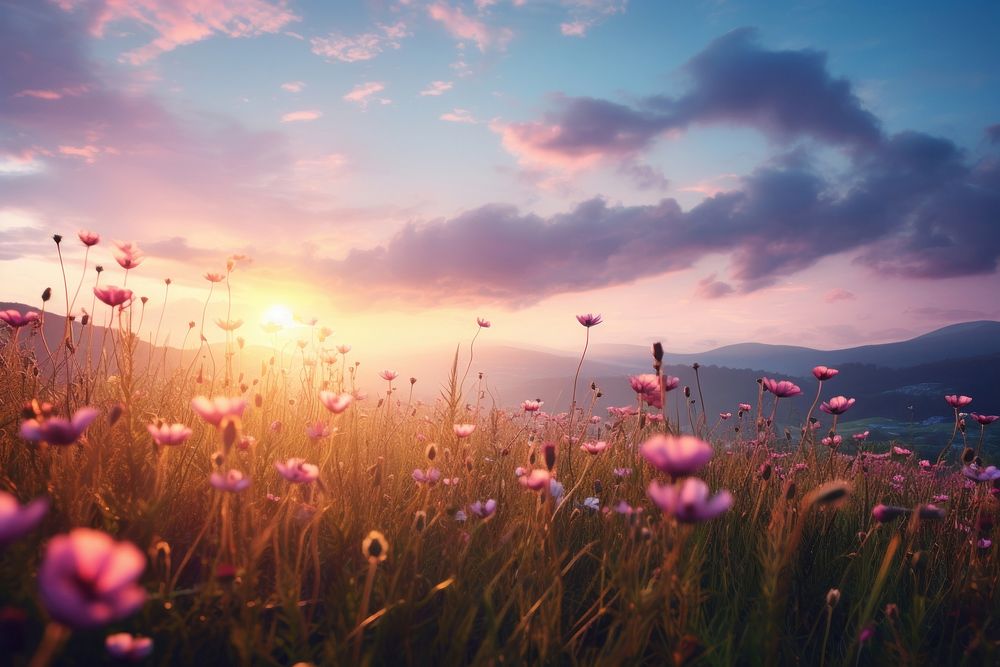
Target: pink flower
[
  {"x": 113, "y": 296},
  {"x": 594, "y": 447},
  {"x": 87, "y": 580},
  {"x": 837, "y": 405},
  {"x": 335, "y": 403},
  {"x": 214, "y": 277},
  {"x": 58, "y": 431},
  {"x": 88, "y": 238},
  {"x": 670, "y": 382},
  {"x": 214, "y": 410},
  {"x": 689, "y": 500},
  {"x": 745, "y": 407},
  {"x": 464, "y": 430},
  {"x": 781, "y": 389},
  {"x": 531, "y": 406},
  {"x": 484, "y": 323},
  {"x": 901, "y": 451},
  {"x": 430, "y": 478},
  {"x": 725, "y": 415},
  {"x": 984, "y": 419},
  {"x": 536, "y": 480},
  {"x": 886, "y": 513},
  {"x": 16, "y": 520},
  {"x": 127, "y": 254},
  {"x": 861, "y": 437},
  {"x": 482, "y": 509},
  {"x": 169, "y": 434},
  {"x": 832, "y": 440},
  {"x": 233, "y": 481},
  {"x": 824, "y": 373},
  {"x": 16, "y": 320},
  {"x": 343, "y": 349},
  {"x": 229, "y": 325},
  {"x": 388, "y": 376},
  {"x": 645, "y": 383},
  {"x": 124, "y": 646},
  {"x": 676, "y": 454},
  {"x": 317, "y": 430},
  {"x": 958, "y": 401},
  {"x": 589, "y": 320},
  {"x": 297, "y": 471},
  {"x": 979, "y": 474}
]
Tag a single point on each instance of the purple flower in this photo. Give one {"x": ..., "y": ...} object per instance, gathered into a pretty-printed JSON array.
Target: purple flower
[
  {"x": 676, "y": 455},
  {"x": 58, "y": 431},
  {"x": 430, "y": 478},
  {"x": 979, "y": 474},
  {"x": 837, "y": 405},
  {"x": 886, "y": 513},
  {"x": 589, "y": 320},
  {"x": 233, "y": 481},
  {"x": 782, "y": 388},
  {"x": 484, "y": 510},
  {"x": 689, "y": 501},
  {"x": 297, "y": 471},
  {"x": 124, "y": 646},
  {"x": 17, "y": 520},
  {"x": 822, "y": 373},
  {"x": 957, "y": 401}
]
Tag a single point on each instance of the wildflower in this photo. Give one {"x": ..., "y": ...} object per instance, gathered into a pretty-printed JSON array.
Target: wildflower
[
  {"x": 375, "y": 547},
  {"x": 343, "y": 349},
  {"x": 233, "y": 481},
  {"x": 837, "y": 405},
  {"x": 229, "y": 325},
  {"x": 463, "y": 430},
  {"x": 901, "y": 451},
  {"x": 622, "y": 473},
  {"x": 592, "y": 503},
  {"x": 317, "y": 430},
  {"x": 124, "y": 646},
  {"x": 127, "y": 254},
  {"x": 689, "y": 500},
  {"x": 297, "y": 471},
  {"x": 461, "y": 516},
  {"x": 87, "y": 580},
  {"x": 594, "y": 447},
  {"x": 56, "y": 430},
  {"x": 745, "y": 407},
  {"x": 214, "y": 410},
  {"x": 335, "y": 403},
  {"x": 88, "y": 238},
  {"x": 984, "y": 420},
  {"x": 450, "y": 481},
  {"x": 860, "y": 437},
  {"x": 531, "y": 406},
  {"x": 536, "y": 480},
  {"x": 246, "y": 442},
  {"x": 984, "y": 543},
  {"x": 589, "y": 320},
  {"x": 941, "y": 498},
  {"x": 214, "y": 277},
  {"x": 958, "y": 401},
  {"x": 16, "y": 320},
  {"x": 979, "y": 474},
  {"x": 822, "y": 373},
  {"x": 484, "y": 510},
  {"x": 676, "y": 455},
  {"x": 781, "y": 389},
  {"x": 832, "y": 597},
  {"x": 430, "y": 477},
  {"x": 645, "y": 383},
  {"x": 886, "y": 513},
  {"x": 388, "y": 376},
  {"x": 725, "y": 415},
  {"x": 17, "y": 520},
  {"x": 168, "y": 434},
  {"x": 832, "y": 441},
  {"x": 482, "y": 322},
  {"x": 556, "y": 489},
  {"x": 113, "y": 296}
]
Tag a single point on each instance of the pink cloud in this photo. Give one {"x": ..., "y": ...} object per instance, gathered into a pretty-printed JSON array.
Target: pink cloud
[
  {"x": 574, "y": 28},
  {"x": 360, "y": 47},
  {"x": 362, "y": 93},
  {"x": 458, "y": 116},
  {"x": 293, "y": 86},
  {"x": 180, "y": 22},
  {"x": 533, "y": 144},
  {"x": 462, "y": 26},
  {"x": 40, "y": 94},
  {"x": 436, "y": 88},
  {"x": 838, "y": 294},
  {"x": 299, "y": 116}
]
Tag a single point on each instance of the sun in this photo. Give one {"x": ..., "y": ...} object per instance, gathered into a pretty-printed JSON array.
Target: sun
[{"x": 278, "y": 315}]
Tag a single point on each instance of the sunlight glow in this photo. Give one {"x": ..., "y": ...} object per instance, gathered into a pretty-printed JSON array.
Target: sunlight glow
[{"x": 279, "y": 315}]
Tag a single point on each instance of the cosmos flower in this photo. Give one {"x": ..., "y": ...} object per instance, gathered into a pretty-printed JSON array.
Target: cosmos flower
[
  {"x": 594, "y": 447},
  {"x": 297, "y": 471},
  {"x": 901, "y": 451},
  {"x": 822, "y": 373},
  {"x": 168, "y": 434},
  {"x": 16, "y": 320},
  {"x": 430, "y": 477},
  {"x": 463, "y": 430},
  {"x": 645, "y": 383},
  {"x": 87, "y": 579},
  {"x": 233, "y": 481},
  {"x": 832, "y": 440},
  {"x": 214, "y": 410},
  {"x": 861, "y": 437},
  {"x": 725, "y": 415},
  {"x": 676, "y": 454},
  {"x": 984, "y": 420},
  {"x": 482, "y": 322},
  {"x": 483, "y": 509},
  {"x": 127, "y": 254},
  {"x": 979, "y": 474},
  {"x": 536, "y": 480},
  {"x": 317, "y": 430},
  {"x": 589, "y": 320},
  {"x": 124, "y": 646},
  {"x": 592, "y": 503},
  {"x": 214, "y": 277},
  {"x": 782, "y": 388},
  {"x": 17, "y": 520},
  {"x": 335, "y": 403},
  {"x": 112, "y": 295},
  {"x": 837, "y": 405},
  {"x": 388, "y": 376},
  {"x": 229, "y": 325},
  {"x": 689, "y": 501},
  {"x": 958, "y": 401},
  {"x": 56, "y": 430},
  {"x": 745, "y": 407},
  {"x": 531, "y": 406},
  {"x": 343, "y": 349},
  {"x": 622, "y": 473},
  {"x": 88, "y": 238}
]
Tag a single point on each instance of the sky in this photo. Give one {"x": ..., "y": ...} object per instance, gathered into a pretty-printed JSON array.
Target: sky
[{"x": 701, "y": 173}]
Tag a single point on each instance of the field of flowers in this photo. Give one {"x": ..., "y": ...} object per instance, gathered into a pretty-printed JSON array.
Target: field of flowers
[{"x": 208, "y": 513}]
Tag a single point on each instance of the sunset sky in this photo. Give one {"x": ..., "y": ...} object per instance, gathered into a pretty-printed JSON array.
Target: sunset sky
[{"x": 816, "y": 173}]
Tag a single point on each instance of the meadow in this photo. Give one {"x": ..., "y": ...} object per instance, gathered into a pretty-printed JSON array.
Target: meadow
[{"x": 204, "y": 511}]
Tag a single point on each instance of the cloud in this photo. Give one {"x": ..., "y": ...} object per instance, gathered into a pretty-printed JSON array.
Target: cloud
[
  {"x": 363, "y": 92},
  {"x": 299, "y": 116},
  {"x": 574, "y": 28},
  {"x": 360, "y": 47},
  {"x": 293, "y": 86},
  {"x": 436, "y": 88},
  {"x": 838, "y": 294},
  {"x": 951, "y": 314},
  {"x": 458, "y": 116},
  {"x": 993, "y": 134},
  {"x": 710, "y": 288},
  {"x": 786, "y": 94},
  {"x": 462, "y": 26},
  {"x": 179, "y": 23}
]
